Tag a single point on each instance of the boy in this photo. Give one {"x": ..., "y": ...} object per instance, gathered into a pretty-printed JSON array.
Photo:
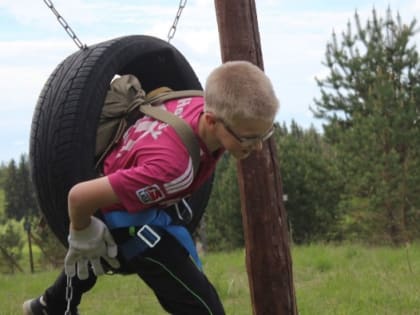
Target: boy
[{"x": 149, "y": 171}]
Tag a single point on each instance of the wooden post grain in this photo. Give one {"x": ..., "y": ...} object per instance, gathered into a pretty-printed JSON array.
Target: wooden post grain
[{"x": 268, "y": 257}]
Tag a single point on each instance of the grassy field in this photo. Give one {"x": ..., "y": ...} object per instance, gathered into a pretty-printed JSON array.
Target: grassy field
[{"x": 342, "y": 280}]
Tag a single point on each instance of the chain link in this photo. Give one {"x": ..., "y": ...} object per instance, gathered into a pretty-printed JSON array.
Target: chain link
[
  {"x": 172, "y": 30},
  {"x": 78, "y": 42},
  {"x": 69, "y": 295},
  {"x": 65, "y": 25}
]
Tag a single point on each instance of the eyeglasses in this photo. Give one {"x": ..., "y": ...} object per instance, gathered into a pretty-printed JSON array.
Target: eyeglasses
[{"x": 247, "y": 141}]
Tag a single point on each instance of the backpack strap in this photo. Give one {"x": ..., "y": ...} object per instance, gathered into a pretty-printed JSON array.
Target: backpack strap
[
  {"x": 164, "y": 94},
  {"x": 147, "y": 106},
  {"x": 183, "y": 130}
]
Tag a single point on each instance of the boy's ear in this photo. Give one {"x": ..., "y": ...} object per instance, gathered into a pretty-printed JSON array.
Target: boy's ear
[{"x": 210, "y": 118}]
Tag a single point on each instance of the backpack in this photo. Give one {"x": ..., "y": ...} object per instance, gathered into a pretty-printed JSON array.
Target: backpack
[{"x": 126, "y": 102}]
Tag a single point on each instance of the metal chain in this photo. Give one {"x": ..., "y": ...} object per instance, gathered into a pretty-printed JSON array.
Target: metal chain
[
  {"x": 172, "y": 30},
  {"x": 65, "y": 25},
  {"x": 78, "y": 42},
  {"x": 69, "y": 295}
]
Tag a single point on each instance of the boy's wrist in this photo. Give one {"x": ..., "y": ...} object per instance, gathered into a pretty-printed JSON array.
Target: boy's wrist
[{"x": 80, "y": 224}]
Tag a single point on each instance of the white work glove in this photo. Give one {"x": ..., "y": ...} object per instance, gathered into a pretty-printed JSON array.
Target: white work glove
[{"x": 89, "y": 245}]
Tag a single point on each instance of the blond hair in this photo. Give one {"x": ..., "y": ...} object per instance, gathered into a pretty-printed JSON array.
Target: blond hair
[{"x": 239, "y": 89}]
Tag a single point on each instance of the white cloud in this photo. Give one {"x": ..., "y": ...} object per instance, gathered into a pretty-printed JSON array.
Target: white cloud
[{"x": 25, "y": 66}]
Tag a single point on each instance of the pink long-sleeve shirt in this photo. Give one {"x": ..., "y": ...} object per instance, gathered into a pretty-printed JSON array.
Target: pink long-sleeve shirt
[{"x": 150, "y": 166}]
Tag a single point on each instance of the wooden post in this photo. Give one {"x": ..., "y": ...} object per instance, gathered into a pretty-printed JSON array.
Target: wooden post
[
  {"x": 268, "y": 258},
  {"x": 31, "y": 257},
  {"x": 28, "y": 231}
]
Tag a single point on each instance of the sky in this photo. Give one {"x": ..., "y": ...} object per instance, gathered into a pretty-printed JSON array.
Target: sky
[{"x": 293, "y": 36}]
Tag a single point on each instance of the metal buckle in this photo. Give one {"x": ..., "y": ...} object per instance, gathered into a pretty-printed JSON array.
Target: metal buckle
[
  {"x": 186, "y": 215},
  {"x": 148, "y": 230}
]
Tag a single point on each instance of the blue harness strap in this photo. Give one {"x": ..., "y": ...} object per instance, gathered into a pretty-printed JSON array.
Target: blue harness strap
[{"x": 148, "y": 237}]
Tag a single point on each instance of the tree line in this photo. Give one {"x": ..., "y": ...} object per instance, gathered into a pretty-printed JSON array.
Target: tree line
[{"x": 357, "y": 180}]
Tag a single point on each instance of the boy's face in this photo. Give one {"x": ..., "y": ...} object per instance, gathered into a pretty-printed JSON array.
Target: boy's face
[{"x": 243, "y": 136}]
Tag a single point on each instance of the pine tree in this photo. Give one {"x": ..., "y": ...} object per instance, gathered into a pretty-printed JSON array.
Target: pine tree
[
  {"x": 311, "y": 183},
  {"x": 223, "y": 214},
  {"x": 11, "y": 190},
  {"x": 20, "y": 198},
  {"x": 3, "y": 175},
  {"x": 371, "y": 102},
  {"x": 27, "y": 193}
]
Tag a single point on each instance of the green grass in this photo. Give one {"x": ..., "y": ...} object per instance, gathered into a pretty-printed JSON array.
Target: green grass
[
  {"x": 357, "y": 280},
  {"x": 336, "y": 280}
]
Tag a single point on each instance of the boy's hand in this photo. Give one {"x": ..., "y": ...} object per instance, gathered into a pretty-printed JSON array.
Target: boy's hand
[{"x": 90, "y": 245}]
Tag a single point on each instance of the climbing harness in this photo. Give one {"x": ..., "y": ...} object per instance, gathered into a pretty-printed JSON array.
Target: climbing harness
[{"x": 136, "y": 232}]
